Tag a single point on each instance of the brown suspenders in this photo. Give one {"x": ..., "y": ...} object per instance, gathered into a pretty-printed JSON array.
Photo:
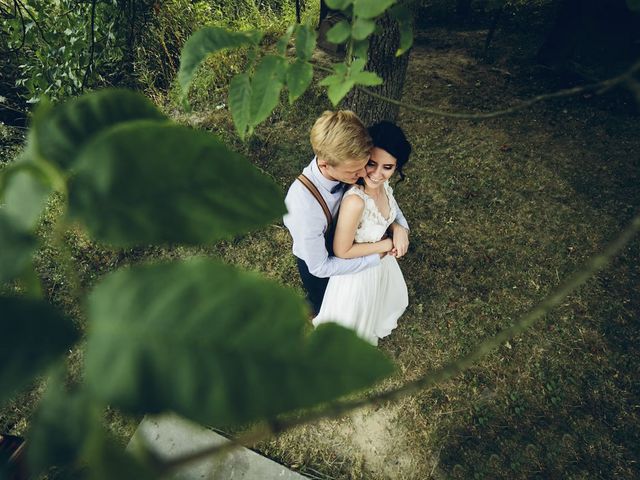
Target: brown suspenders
[{"x": 314, "y": 191}]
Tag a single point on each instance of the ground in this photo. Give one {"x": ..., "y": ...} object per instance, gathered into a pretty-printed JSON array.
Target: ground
[{"x": 501, "y": 211}]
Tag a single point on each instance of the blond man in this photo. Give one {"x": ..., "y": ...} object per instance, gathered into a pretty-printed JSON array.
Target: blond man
[{"x": 342, "y": 148}]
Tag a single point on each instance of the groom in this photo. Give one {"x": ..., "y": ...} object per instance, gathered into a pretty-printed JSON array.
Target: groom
[{"x": 342, "y": 147}]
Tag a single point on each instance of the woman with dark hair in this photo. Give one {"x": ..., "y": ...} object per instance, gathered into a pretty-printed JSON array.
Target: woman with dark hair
[{"x": 371, "y": 301}]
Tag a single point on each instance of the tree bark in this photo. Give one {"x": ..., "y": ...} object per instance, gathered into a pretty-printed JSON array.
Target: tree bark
[{"x": 383, "y": 61}]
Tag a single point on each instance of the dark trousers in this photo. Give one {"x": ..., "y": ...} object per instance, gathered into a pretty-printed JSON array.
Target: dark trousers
[{"x": 313, "y": 286}]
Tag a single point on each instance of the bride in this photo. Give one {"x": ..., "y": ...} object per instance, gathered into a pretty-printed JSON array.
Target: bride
[{"x": 371, "y": 301}]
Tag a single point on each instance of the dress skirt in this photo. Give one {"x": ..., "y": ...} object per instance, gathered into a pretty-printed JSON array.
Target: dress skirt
[{"x": 368, "y": 302}]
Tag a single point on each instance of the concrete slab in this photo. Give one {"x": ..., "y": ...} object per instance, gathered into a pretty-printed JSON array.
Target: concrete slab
[{"x": 170, "y": 436}]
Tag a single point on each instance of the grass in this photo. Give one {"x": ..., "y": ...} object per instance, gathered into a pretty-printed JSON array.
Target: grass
[{"x": 501, "y": 211}]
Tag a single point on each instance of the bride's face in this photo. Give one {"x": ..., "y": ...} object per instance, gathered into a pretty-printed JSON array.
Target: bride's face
[{"x": 379, "y": 168}]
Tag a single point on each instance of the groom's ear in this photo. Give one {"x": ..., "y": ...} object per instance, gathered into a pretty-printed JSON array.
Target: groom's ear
[{"x": 321, "y": 163}]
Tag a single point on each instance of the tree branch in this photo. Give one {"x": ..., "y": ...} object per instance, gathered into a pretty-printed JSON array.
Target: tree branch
[{"x": 591, "y": 267}]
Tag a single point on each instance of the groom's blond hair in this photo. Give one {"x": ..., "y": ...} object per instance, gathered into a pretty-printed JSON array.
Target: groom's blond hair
[{"x": 340, "y": 136}]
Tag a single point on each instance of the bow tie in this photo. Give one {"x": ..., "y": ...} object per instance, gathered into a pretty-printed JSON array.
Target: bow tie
[{"x": 338, "y": 187}]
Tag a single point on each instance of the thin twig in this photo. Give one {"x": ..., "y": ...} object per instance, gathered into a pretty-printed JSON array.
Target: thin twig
[
  {"x": 13, "y": 109},
  {"x": 592, "y": 266},
  {"x": 599, "y": 86}
]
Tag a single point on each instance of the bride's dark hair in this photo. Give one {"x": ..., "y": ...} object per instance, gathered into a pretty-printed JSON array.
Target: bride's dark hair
[{"x": 390, "y": 137}]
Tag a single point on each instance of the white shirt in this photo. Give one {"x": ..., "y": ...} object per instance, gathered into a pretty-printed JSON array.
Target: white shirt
[{"x": 307, "y": 224}]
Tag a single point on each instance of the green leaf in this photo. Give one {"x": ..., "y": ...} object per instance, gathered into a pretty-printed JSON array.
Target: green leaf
[
  {"x": 206, "y": 41},
  {"x": 362, "y": 28},
  {"x": 33, "y": 335},
  {"x": 337, "y": 91},
  {"x": 60, "y": 426},
  {"x": 266, "y": 85},
  {"x": 361, "y": 48},
  {"x": 340, "y": 32},
  {"x": 370, "y": 8},
  {"x": 25, "y": 197},
  {"x": 357, "y": 65},
  {"x": 283, "y": 41},
  {"x": 17, "y": 246},
  {"x": 340, "y": 68},
  {"x": 338, "y": 4},
  {"x": 67, "y": 431},
  {"x": 59, "y": 134},
  {"x": 107, "y": 460},
  {"x": 149, "y": 183},
  {"x": 240, "y": 102},
  {"x": 185, "y": 337},
  {"x": 405, "y": 24},
  {"x": 331, "y": 80},
  {"x": 634, "y": 5},
  {"x": 368, "y": 79},
  {"x": 305, "y": 42},
  {"x": 299, "y": 78},
  {"x": 341, "y": 362}
]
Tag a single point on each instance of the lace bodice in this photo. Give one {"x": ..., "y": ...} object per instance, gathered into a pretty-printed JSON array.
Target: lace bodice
[{"x": 373, "y": 225}]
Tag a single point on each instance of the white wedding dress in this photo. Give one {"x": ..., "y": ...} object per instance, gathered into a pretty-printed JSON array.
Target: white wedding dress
[{"x": 371, "y": 301}]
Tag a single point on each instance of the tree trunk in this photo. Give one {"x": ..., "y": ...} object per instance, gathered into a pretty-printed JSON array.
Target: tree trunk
[
  {"x": 324, "y": 11},
  {"x": 383, "y": 61}
]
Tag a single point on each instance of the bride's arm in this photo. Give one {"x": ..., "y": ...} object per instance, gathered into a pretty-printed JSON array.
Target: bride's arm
[{"x": 343, "y": 241}]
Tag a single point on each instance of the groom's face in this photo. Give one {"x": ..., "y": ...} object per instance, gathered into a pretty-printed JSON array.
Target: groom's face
[{"x": 348, "y": 171}]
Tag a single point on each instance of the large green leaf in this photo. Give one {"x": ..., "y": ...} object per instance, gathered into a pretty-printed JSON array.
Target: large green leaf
[
  {"x": 149, "y": 183},
  {"x": 25, "y": 196},
  {"x": 370, "y": 8},
  {"x": 59, "y": 134},
  {"x": 67, "y": 431},
  {"x": 240, "y": 102},
  {"x": 206, "y": 41},
  {"x": 108, "y": 461},
  {"x": 299, "y": 78},
  {"x": 340, "y": 32},
  {"x": 16, "y": 248},
  {"x": 33, "y": 335},
  {"x": 305, "y": 42},
  {"x": 266, "y": 85},
  {"x": 60, "y": 427},
  {"x": 216, "y": 345}
]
